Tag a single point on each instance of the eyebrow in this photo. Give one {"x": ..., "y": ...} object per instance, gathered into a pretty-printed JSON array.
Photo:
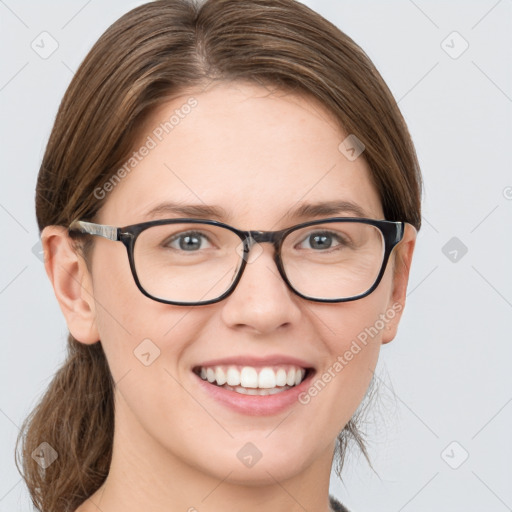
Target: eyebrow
[
  {"x": 304, "y": 210},
  {"x": 199, "y": 211},
  {"x": 327, "y": 209}
]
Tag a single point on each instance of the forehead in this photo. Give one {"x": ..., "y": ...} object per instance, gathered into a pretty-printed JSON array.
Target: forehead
[{"x": 254, "y": 154}]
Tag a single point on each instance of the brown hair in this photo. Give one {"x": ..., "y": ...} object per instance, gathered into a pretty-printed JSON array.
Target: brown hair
[{"x": 149, "y": 55}]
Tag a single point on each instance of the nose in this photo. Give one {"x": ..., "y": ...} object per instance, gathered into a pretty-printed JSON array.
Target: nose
[{"x": 262, "y": 301}]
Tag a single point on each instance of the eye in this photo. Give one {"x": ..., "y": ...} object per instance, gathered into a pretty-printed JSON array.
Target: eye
[
  {"x": 324, "y": 240},
  {"x": 190, "y": 241}
]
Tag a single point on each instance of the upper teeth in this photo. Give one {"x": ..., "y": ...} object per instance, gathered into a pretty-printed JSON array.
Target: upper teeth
[{"x": 250, "y": 377}]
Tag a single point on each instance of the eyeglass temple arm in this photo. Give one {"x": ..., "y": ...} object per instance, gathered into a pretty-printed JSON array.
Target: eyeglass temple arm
[
  {"x": 109, "y": 232},
  {"x": 400, "y": 232}
]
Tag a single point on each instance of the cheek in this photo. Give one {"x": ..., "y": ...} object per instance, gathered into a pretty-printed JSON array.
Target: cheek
[
  {"x": 354, "y": 327},
  {"x": 352, "y": 336},
  {"x": 140, "y": 336},
  {"x": 129, "y": 324}
]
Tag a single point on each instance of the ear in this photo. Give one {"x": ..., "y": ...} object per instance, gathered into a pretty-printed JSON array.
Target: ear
[
  {"x": 71, "y": 283},
  {"x": 402, "y": 265}
]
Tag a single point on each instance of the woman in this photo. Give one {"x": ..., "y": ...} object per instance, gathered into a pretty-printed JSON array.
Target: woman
[{"x": 228, "y": 206}]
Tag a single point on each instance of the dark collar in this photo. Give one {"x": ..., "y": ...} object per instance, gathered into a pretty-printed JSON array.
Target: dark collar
[{"x": 336, "y": 505}]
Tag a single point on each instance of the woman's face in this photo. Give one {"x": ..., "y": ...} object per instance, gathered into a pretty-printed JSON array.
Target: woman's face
[{"x": 258, "y": 156}]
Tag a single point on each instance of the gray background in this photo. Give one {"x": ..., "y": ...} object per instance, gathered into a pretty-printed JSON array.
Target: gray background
[{"x": 445, "y": 381}]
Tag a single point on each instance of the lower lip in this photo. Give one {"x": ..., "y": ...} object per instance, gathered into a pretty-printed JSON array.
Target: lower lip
[{"x": 256, "y": 405}]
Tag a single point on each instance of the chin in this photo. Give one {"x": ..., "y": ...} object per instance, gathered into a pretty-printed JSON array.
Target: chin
[{"x": 249, "y": 466}]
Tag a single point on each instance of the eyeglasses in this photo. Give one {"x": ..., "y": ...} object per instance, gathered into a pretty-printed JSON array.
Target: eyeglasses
[{"x": 191, "y": 262}]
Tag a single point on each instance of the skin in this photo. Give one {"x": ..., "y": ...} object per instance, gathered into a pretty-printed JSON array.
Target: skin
[{"x": 258, "y": 154}]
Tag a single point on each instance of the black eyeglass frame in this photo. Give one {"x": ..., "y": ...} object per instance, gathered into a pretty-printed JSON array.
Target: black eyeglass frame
[{"x": 392, "y": 232}]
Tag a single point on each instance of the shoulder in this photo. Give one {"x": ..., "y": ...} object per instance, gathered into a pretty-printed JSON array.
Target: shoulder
[{"x": 336, "y": 505}]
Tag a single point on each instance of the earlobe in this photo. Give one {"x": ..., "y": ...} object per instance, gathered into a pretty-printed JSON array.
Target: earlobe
[
  {"x": 71, "y": 283},
  {"x": 402, "y": 265}
]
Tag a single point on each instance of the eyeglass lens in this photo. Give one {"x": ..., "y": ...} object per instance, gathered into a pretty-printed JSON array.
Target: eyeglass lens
[{"x": 199, "y": 262}]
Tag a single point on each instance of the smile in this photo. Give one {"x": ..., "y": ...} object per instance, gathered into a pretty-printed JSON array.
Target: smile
[{"x": 251, "y": 380}]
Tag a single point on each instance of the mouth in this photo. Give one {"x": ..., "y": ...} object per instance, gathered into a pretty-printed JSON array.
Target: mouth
[{"x": 254, "y": 380}]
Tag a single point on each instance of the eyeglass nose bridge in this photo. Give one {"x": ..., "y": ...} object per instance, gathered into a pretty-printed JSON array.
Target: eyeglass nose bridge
[
  {"x": 252, "y": 238},
  {"x": 264, "y": 236},
  {"x": 258, "y": 237}
]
